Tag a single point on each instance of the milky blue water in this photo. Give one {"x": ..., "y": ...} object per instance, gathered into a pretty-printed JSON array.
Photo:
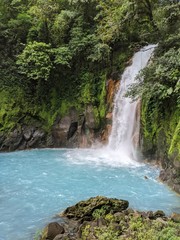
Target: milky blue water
[{"x": 37, "y": 184}]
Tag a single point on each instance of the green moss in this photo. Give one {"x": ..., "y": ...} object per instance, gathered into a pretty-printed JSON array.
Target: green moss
[
  {"x": 86, "y": 93},
  {"x": 16, "y": 110},
  {"x": 102, "y": 111},
  {"x": 120, "y": 58},
  {"x": 161, "y": 129},
  {"x": 95, "y": 205},
  {"x": 85, "y": 232},
  {"x": 65, "y": 106},
  {"x": 144, "y": 229},
  {"x": 174, "y": 149},
  {"x": 47, "y": 117},
  {"x": 150, "y": 125},
  {"x": 56, "y": 107},
  {"x": 96, "y": 117},
  {"x": 97, "y": 213},
  {"x": 12, "y": 108},
  {"x": 132, "y": 227}
]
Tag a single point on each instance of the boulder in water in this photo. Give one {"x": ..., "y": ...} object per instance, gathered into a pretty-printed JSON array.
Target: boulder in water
[
  {"x": 52, "y": 230},
  {"x": 85, "y": 209}
]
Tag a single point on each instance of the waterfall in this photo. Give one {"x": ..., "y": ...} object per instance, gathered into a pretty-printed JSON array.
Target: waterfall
[{"x": 124, "y": 136}]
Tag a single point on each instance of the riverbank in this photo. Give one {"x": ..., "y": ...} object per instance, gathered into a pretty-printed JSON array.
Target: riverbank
[
  {"x": 169, "y": 174},
  {"x": 101, "y": 218}
]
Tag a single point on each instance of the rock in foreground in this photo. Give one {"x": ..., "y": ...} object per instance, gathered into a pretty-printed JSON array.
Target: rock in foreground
[
  {"x": 86, "y": 209},
  {"x": 108, "y": 218}
]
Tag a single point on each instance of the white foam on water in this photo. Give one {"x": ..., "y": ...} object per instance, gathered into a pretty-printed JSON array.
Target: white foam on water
[{"x": 101, "y": 157}]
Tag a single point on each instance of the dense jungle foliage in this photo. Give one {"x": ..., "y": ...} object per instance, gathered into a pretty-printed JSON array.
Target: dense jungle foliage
[{"x": 59, "y": 53}]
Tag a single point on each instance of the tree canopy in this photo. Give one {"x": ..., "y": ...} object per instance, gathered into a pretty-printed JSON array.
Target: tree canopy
[{"x": 63, "y": 46}]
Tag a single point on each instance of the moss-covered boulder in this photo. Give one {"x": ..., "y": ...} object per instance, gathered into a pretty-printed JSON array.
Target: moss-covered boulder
[
  {"x": 101, "y": 218},
  {"x": 91, "y": 207}
]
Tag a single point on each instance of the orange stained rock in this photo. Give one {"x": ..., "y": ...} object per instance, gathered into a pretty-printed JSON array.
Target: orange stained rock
[
  {"x": 112, "y": 87},
  {"x": 109, "y": 115}
]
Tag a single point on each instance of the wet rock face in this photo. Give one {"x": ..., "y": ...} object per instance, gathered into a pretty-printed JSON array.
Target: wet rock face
[
  {"x": 171, "y": 176},
  {"x": 75, "y": 129},
  {"x": 13, "y": 139},
  {"x": 23, "y": 138},
  {"x": 111, "y": 88},
  {"x": 28, "y": 132},
  {"x": 90, "y": 118},
  {"x": 81, "y": 129},
  {"x": 72, "y": 129},
  {"x": 36, "y": 136},
  {"x": 66, "y": 131},
  {"x": 60, "y": 131}
]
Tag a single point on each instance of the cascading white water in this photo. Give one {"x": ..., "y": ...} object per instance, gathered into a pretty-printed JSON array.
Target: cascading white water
[{"x": 125, "y": 128}]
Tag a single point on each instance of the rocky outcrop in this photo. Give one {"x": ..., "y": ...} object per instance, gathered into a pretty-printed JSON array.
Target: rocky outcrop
[
  {"x": 171, "y": 176},
  {"x": 86, "y": 209},
  {"x": 112, "y": 87},
  {"x": 108, "y": 218},
  {"x": 62, "y": 130},
  {"x": 74, "y": 218},
  {"x": 24, "y": 137},
  {"x": 13, "y": 140},
  {"x": 160, "y": 141},
  {"x": 76, "y": 129},
  {"x": 170, "y": 168}
]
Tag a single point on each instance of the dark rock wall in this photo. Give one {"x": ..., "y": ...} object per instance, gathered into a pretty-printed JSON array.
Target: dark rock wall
[
  {"x": 72, "y": 130},
  {"x": 25, "y": 137}
]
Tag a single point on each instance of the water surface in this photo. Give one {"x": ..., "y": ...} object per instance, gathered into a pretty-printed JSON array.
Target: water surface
[{"x": 37, "y": 184}]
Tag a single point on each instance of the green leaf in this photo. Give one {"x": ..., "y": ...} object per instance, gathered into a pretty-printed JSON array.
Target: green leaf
[{"x": 170, "y": 91}]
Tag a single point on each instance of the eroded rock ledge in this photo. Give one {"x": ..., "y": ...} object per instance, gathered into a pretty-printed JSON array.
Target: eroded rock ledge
[{"x": 108, "y": 218}]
